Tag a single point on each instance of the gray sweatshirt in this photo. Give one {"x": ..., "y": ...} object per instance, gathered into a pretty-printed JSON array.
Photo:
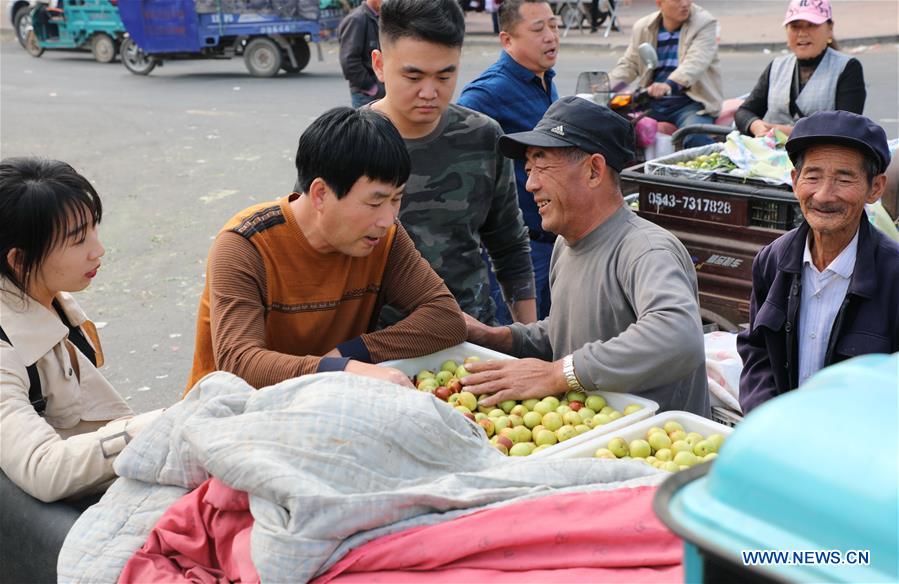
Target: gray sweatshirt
[{"x": 625, "y": 303}]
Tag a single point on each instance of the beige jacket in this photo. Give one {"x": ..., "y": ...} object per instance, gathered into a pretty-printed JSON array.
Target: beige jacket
[
  {"x": 70, "y": 451},
  {"x": 697, "y": 57}
]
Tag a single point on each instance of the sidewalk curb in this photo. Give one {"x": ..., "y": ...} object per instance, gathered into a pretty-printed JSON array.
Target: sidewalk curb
[{"x": 856, "y": 42}]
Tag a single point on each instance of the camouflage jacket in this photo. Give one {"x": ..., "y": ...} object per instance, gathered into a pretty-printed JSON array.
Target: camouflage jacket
[{"x": 461, "y": 194}]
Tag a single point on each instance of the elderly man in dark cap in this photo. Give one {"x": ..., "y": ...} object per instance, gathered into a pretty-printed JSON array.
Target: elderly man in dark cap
[
  {"x": 625, "y": 309},
  {"x": 829, "y": 289}
]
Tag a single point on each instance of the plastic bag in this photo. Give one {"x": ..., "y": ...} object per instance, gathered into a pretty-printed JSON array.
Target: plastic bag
[
  {"x": 646, "y": 129},
  {"x": 763, "y": 157},
  {"x": 723, "y": 367}
]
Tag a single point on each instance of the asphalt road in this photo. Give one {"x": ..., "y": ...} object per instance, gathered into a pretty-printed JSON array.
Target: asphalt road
[{"x": 175, "y": 154}]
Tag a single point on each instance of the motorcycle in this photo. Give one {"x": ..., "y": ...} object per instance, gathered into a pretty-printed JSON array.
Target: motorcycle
[{"x": 634, "y": 103}]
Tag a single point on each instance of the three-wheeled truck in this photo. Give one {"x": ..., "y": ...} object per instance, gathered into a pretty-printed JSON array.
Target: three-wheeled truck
[
  {"x": 75, "y": 24},
  {"x": 270, "y": 34}
]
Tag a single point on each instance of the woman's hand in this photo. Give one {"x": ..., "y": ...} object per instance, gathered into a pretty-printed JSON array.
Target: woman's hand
[
  {"x": 761, "y": 127},
  {"x": 785, "y": 128}
]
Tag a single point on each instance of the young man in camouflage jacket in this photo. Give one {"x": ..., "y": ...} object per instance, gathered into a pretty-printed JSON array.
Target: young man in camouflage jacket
[{"x": 461, "y": 193}]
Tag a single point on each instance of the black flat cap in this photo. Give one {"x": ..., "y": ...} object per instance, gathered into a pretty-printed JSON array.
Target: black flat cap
[
  {"x": 575, "y": 121},
  {"x": 843, "y": 129}
]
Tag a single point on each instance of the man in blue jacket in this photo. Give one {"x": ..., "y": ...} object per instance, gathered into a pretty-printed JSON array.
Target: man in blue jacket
[
  {"x": 516, "y": 91},
  {"x": 829, "y": 289}
]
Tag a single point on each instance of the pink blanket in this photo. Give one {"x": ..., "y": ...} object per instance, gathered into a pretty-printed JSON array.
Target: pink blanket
[
  {"x": 608, "y": 536},
  {"x": 204, "y": 538}
]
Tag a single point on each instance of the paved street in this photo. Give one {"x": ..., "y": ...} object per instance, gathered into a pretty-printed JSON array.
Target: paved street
[
  {"x": 743, "y": 25},
  {"x": 175, "y": 154}
]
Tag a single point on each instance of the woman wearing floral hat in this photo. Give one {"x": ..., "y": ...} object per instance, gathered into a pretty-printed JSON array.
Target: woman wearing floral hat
[{"x": 813, "y": 77}]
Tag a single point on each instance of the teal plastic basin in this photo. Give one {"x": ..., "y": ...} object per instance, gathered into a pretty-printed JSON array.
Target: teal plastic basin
[{"x": 813, "y": 470}]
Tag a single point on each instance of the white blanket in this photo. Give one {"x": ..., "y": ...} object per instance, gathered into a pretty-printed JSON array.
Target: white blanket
[{"x": 330, "y": 461}]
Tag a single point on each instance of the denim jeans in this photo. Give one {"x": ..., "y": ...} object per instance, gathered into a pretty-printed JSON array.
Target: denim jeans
[
  {"x": 360, "y": 99},
  {"x": 686, "y": 116},
  {"x": 540, "y": 256}
]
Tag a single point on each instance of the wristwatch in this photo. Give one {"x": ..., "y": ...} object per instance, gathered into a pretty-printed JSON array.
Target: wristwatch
[{"x": 568, "y": 372}]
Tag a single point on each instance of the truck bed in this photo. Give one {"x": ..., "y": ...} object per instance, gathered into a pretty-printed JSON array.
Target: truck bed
[{"x": 723, "y": 224}]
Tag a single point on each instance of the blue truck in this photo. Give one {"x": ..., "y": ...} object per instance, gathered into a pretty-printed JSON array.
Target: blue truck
[{"x": 270, "y": 35}]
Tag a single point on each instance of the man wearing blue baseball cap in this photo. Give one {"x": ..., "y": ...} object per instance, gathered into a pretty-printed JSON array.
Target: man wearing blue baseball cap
[
  {"x": 625, "y": 307},
  {"x": 829, "y": 289}
]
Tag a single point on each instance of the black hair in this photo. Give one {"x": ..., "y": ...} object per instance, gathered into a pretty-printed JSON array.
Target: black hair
[
  {"x": 870, "y": 164},
  {"x": 510, "y": 13},
  {"x": 833, "y": 44},
  {"x": 345, "y": 144},
  {"x": 43, "y": 204},
  {"x": 436, "y": 21}
]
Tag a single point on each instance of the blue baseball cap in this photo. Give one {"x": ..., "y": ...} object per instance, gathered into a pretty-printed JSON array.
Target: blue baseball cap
[
  {"x": 843, "y": 129},
  {"x": 575, "y": 121}
]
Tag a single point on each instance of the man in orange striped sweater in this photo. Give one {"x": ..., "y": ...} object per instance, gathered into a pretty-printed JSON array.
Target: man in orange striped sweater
[{"x": 294, "y": 286}]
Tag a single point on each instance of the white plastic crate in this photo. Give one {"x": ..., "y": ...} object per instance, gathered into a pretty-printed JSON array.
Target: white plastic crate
[
  {"x": 690, "y": 422},
  {"x": 667, "y": 165},
  {"x": 726, "y": 416},
  {"x": 457, "y": 353},
  {"x": 619, "y": 401}
]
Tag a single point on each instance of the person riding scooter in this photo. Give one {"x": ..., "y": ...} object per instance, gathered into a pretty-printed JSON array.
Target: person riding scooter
[{"x": 686, "y": 84}]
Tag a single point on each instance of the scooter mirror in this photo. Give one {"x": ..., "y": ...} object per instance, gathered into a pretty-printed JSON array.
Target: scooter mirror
[
  {"x": 648, "y": 53},
  {"x": 595, "y": 83}
]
